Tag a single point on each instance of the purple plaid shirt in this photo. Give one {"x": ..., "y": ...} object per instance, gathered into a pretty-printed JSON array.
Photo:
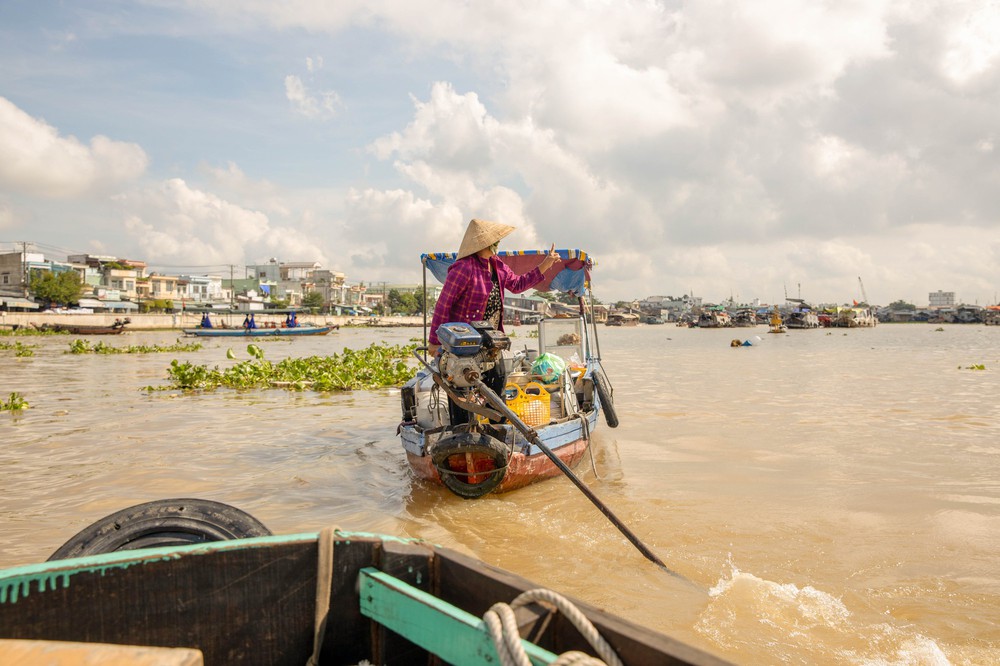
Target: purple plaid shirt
[{"x": 463, "y": 297}]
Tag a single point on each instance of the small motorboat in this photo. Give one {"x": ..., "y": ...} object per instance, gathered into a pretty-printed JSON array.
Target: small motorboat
[{"x": 490, "y": 453}]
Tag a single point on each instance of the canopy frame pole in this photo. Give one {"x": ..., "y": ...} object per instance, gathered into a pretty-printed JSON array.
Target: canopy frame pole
[{"x": 424, "y": 265}]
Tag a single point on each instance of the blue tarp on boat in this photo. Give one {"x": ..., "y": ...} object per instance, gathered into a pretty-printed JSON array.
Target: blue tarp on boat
[{"x": 574, "y": 276}]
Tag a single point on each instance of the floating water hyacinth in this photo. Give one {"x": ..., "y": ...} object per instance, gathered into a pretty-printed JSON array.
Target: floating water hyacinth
[
  {"x": 376, "y": 366},
  {"x": 20, "y": 349},
  {"x": 84, "y": 347},
  {"x": 16, "y": 402}
]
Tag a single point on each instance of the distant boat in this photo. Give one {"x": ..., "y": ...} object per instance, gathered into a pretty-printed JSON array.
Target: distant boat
[
  {"x": 715, "y": 317},
  {"x": 744, "y": 318},
  {"x": 802, "y": 318},
  {"x": 622, "y": 319},
  {"x": 278, "y": 331},
  {"x": 856, "y": 317},
  {"x": 777, "y": 325},
  {"x": 802, "y": 315},
  {"x": 84, "y": 329}
]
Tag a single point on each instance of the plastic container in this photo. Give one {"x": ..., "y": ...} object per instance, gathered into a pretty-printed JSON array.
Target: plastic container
[{"x": 530, "y": 404}]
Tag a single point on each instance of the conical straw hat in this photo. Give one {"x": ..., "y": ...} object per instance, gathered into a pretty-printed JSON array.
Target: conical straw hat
[{"x": 480, "y": 234}]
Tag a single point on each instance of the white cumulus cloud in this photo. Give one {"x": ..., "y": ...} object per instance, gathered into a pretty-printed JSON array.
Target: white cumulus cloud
[
  {"x": 314, "y": 105},
  {"x": 37, "y": 160},
  {"x": 175, "y": 223}
]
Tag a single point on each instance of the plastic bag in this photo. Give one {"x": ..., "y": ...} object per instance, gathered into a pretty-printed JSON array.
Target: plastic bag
[{"x": 548, "y": 368}]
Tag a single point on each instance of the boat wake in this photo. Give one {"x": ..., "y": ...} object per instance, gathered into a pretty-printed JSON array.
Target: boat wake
[{"x": 784, "y": 623}]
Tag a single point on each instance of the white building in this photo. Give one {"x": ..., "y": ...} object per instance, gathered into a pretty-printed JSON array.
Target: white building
[
  {"x": 201, "y": 289},
  {"x": 941, "y": 299}
]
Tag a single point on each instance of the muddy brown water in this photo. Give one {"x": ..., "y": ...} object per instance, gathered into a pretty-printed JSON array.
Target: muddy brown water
[{"x": 834, "y": 495}]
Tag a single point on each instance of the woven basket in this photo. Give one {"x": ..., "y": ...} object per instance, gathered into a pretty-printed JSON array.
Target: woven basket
[{"x": 530, "y": 404}]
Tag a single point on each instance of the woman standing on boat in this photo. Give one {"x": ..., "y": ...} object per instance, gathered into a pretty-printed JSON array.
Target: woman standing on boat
[{"x": 474, "y": 288}]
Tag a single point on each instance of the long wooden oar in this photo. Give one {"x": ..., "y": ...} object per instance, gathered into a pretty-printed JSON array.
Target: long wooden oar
[{"x": 498, "y": 404}]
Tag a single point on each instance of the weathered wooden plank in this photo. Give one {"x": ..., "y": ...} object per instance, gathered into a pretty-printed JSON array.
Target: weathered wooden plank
[
  {"x": 410, "y": 563},
  {"x": 247, "y": 605},
  {"x": 60, "y": 653},
  {"x": 348, "y": 637}
]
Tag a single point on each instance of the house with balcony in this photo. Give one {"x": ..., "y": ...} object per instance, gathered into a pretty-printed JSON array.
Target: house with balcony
[{"x": 202, "y": 291}]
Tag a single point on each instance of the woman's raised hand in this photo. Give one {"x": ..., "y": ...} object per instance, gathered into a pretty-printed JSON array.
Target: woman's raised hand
[{"x": 550, "y": 259}]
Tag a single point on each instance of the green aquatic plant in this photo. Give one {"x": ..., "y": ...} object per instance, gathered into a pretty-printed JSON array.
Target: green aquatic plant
[
  {"x": 23, "y": 331},
  {"x": 977, "y": 366},
  {"x": 376, "y": 366},
  {"x": 20, "y": 349},
  {"x": 84, "y": 347},
  {"x": 16, "y": 402}
]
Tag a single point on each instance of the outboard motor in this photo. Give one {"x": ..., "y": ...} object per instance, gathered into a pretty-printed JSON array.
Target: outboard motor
[{"x": 469, "y": 350}]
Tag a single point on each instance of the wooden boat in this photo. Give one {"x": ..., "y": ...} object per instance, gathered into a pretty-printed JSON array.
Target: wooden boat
[
  {"x": 337, "y": 596},
  {"x": 714, "y": 317},
  {"x": 802, "y": 318},
  {"x": 473, "y": 459},
  {"x": 855, "y": 317},
  {"x": 744, "y": 318},
  {"x": 622, "y": 319},
  {"x": 258, "y": 332},
  {"x": 116, "y": 328},
  {"x": 801, "y": 315}
]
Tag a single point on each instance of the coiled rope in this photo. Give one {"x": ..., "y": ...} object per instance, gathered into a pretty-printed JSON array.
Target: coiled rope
[{"x": 502, "y": 626}]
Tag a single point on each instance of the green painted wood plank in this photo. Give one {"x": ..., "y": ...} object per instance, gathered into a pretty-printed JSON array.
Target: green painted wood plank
[{"x": 452, "y": 634}]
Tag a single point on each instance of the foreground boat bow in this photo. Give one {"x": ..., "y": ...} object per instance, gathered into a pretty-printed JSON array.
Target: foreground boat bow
[{"x": 254, "y": 601}]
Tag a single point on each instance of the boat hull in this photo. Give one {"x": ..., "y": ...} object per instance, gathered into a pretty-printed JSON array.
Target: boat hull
[
  {"x": 522, "y": 470},
  {"x": 257, "y": 332},
  {"x": 254, "y": 601},
  {"x": 83, "y": 330}
]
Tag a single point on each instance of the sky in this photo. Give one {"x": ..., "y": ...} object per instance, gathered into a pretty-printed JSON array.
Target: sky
[{"x": 833, "y": 151}]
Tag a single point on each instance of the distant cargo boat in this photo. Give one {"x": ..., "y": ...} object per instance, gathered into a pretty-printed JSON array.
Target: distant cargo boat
[
  {"x": 745, "y": 318},
  {"x": 802, "y": 318},
  {"x": 856, "y": 317},
  {"x": 622, "y": 319},
  {"x": 715, "y": 317},
  {"x": 801, "y": 315}
]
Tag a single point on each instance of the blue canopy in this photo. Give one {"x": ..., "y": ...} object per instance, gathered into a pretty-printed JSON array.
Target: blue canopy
[{"x": 574, "y": 275}]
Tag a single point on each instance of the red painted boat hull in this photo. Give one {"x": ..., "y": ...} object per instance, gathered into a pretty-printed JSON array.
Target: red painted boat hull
[{"x": 522, "y": 470}]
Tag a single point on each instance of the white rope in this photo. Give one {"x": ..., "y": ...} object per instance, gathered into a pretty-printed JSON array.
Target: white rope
[{"x": 503, "y": 630}]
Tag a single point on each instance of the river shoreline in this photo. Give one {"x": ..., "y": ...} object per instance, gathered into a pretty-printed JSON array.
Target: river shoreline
[{"x": 181, "y": 320}]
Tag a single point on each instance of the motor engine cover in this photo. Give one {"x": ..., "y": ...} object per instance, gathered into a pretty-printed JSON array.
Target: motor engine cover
[
  {"x": 462, "y": 371},
  {"x": 459, "y": 338}
]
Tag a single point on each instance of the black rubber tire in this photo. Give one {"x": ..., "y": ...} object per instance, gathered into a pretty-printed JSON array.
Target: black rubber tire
[
  {"x": 467, "y": 442},
  {"x": 603, "y": 389},
  {"x": 169, "y": 522}
]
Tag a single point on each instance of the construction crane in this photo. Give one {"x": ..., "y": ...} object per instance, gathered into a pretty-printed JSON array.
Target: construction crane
[{"x": 864, "y": 294}]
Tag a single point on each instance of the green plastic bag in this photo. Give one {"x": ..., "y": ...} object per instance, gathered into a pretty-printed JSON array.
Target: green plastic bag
[{"x": 548, "y": 368}]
